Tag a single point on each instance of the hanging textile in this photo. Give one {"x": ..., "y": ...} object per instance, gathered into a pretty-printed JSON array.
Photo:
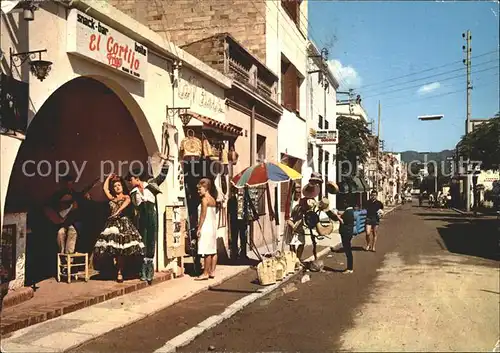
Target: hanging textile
[
  {"x": 276, "y": 205},
  {"x": 291, "y": 188},
  {"x": 272, "y": 215}
]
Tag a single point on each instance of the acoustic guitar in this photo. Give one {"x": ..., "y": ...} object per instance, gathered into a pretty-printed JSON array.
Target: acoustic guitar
[{"x": 59, "y": 216}]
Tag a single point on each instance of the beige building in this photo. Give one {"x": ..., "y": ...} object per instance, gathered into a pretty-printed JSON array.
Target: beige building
[
  {"x": 273, "y": 31},
  {"x": 111, "y": 91}
]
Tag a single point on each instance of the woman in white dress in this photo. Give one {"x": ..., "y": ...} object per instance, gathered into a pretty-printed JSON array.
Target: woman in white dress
[{"x": 207, "y": 229}]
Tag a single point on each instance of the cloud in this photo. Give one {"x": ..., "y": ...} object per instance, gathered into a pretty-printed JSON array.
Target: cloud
[
  {"x": 346, "y": 75},
  {"x": 431, "y": 87}
]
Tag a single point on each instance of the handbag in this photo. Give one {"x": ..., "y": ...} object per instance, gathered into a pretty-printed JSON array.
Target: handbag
[
  {"x": 266, "y": 272},
  {"x": 207, "y": 148},
  {"x": 280, "y": 266},
  {"x": 324, "y": 228},
  {"x": 191, "y": 145}
]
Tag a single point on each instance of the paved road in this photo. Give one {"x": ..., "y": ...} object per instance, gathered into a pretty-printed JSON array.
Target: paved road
[{"x": 432, "y": 285}]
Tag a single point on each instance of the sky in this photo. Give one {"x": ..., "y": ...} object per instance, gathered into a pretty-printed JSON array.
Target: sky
[{"x": 373, "y": 44}]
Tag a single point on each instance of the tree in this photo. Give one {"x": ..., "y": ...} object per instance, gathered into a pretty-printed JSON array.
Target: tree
[
  {"x": 483, "y": 144},
  {"x": 354, "y": 138}
]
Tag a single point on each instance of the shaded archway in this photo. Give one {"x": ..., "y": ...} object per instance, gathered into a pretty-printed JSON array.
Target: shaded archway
[{"x": 86, "y": 126}]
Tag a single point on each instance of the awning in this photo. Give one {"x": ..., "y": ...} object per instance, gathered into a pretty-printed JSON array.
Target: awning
[{"x": 217, "y": 125}]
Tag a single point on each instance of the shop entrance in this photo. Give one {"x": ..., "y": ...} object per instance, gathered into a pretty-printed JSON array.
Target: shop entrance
[{"x": 86, "y": 128}]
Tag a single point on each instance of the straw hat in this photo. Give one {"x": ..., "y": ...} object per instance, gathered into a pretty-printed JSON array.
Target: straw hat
[
  {"x": 311, "y": 191},
  {"x": 324, "y": 204},
  {"x": 332, "y": 188},
  {"x": 316, "y": 178}
]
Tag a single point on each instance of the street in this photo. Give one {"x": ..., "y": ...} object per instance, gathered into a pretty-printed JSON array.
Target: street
[{"x": 432, "y": 285}]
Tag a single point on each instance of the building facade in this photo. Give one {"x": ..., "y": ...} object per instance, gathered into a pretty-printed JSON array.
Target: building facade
[
  {"x": 106, "y": 106},
  {"x": 252, "y": 106},
  {"x": 274, "y": 32},
  {"x": 321, "y": 120}
]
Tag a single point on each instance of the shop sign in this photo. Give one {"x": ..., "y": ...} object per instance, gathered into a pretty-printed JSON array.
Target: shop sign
[
  {"x": 326, "y": 137},
  {"x": 93, "y": 40},
  {"x": 192, "y": 90}
]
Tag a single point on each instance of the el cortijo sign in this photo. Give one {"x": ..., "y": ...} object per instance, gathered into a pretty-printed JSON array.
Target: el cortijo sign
[{"x": 89, "y": 38}]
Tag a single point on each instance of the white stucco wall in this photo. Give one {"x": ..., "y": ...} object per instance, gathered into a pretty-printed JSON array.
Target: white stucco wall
[
  {"x": 321, "y": 104},
  {"x": 357, "y": 111},
  {"x": 146, "y": 101}
]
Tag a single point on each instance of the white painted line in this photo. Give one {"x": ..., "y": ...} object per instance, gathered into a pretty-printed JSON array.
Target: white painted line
[
  {"x": 189, "y": 335},
  {"x": 497, "y": 347}
]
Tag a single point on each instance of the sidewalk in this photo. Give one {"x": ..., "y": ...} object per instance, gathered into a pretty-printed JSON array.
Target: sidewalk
[{"x": 70, "y": 329}]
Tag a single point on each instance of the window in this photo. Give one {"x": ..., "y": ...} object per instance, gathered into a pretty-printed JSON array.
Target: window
[
  {"x": 292, "y": 8},
  {"x": 261, "y": 147},
  {"x": 320, "y": 122},
  {"x": 290, "y": 86},
  {"x": 327, "y": 126}
]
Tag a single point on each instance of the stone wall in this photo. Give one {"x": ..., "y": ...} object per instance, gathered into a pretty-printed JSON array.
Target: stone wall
[{"x": 187, "y": 21}]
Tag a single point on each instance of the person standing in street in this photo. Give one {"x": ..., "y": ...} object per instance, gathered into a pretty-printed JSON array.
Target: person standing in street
[
  {"x": 374, "y": 210},
  {"x": 346, "y": 230}
]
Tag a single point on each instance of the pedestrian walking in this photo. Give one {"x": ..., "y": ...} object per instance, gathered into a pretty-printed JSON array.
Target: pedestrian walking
[
  {"x": 346, "y": 231},
  {"x": 374, "y": 210}
]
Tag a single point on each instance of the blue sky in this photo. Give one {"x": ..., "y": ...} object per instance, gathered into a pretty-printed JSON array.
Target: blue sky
[{"x": 375, "y": 42}]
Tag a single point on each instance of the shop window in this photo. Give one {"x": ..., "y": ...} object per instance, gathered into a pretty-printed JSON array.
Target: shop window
[
  {"x": 261, "y": 147},
  {"x": 290, "y": 86}
]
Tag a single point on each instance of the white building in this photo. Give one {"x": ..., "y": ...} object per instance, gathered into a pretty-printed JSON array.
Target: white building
[
  {"x": 104, "y": 99},
  {"x": 321, "y": 120}
]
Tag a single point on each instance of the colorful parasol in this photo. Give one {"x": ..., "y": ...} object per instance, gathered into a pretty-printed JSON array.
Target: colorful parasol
[{"x": 263, "y": 172}]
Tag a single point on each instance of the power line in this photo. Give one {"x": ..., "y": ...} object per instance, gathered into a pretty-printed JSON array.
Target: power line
[
  {"x": 438, "y": 95},
  {"x": 422, "y": 71},
  {"x": 423, "y": 84},
  {"x": 432, "y": 76}
]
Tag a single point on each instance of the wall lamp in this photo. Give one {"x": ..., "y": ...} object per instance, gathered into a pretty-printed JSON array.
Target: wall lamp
[
  {"x": 29, "y": 9},
  {"x": 39, "y": 68},
  {"x": 182, "y": 113}
]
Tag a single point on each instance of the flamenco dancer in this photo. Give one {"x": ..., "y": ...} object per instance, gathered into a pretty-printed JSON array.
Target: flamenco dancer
[
  {"x": 144, "y": 199},
  {"x": 120, "y": 237}
]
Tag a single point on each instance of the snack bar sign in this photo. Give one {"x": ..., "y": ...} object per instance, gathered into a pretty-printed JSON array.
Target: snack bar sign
[
  {"x": 327, "y": 137},
  {"x": 89, "y": 38}
]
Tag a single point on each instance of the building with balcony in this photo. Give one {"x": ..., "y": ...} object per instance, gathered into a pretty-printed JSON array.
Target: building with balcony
[
  {"x": 251, "y": 105},
  {"x": 321, "y": 119},
  {"x": 105, "y": 106}
]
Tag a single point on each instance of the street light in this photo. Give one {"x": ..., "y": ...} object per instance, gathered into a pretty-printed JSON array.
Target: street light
[{"x": 430, "y": 117}]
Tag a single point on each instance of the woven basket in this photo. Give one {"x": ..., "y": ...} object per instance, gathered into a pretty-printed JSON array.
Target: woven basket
[
  {"x": 266, "y": 272},
  {"x": 280, "y": 266},
  {"x": 291, "y": 261},
  {"x": 191, "y": 145}
]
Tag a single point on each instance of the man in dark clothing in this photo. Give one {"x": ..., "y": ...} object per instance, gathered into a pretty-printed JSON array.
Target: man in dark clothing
[
  {"x": 346, "y": 231},
  {"x": 374, "y": 210},
  {"x": 239, "y": 226}
]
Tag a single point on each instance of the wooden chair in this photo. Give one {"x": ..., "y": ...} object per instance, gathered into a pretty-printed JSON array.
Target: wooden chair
[{"x": 73, "y": 261}]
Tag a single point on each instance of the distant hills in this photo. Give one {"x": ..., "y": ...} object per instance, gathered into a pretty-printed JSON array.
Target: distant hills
[{"x": 409, "y": 156}]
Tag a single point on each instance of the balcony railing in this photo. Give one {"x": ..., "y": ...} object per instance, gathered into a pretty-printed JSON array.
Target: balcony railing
[
  {"x": 238, "y": 71},
  {"x": 264, "y": 88}
]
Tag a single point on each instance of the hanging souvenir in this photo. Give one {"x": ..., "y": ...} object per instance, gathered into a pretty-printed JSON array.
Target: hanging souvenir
[
  {"x": 233, "y": 156},
  {"x": 225, "y": 156},
  {"x": 207, "y": 148},
  {"x": 190, "y": 145}
]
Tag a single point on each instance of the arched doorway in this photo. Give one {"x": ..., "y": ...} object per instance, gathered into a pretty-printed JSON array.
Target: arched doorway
[{"x": 86, "y": 127}]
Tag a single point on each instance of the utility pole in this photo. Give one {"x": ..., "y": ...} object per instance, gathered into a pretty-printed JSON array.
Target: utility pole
[
  {"x": 378, "y": 146},
  {"x": 467, "y": 61}
]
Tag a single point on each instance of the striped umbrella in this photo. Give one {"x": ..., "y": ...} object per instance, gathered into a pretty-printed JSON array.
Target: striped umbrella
[{"x": 263, "y": 172}]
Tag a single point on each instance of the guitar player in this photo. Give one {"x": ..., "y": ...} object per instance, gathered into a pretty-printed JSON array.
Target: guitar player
[{"x": 63, "y": 210}]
